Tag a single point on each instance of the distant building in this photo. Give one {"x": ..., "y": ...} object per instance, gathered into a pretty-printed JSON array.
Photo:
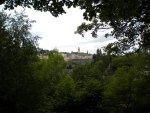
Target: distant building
[
  {"x": 43, "y": 54},
  {"x": 73, "y": 59},
  {"x": 76, "y": 55}
]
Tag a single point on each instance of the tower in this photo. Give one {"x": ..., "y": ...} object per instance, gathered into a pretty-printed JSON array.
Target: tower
[{"x": 78, "y": 49}]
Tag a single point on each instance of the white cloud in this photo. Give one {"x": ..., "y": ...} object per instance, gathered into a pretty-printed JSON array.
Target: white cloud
[{"x": 59, "y": 32}]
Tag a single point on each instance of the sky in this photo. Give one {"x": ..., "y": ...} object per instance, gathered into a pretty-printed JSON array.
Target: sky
[{"x": 59, "y": 32}]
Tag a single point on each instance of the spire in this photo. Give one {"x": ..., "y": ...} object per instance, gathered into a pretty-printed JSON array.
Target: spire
[{"x": 78, "y": 49}]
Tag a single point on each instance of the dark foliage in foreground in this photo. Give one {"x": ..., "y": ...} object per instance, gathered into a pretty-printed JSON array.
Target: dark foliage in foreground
[{"x": 111, "y": 83}]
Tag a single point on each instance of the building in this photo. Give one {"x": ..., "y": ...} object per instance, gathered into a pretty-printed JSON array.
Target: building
[{"x": 76, "y": 55}]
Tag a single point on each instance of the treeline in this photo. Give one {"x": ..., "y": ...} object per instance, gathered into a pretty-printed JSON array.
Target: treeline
[{"x": 109, "y": 84}]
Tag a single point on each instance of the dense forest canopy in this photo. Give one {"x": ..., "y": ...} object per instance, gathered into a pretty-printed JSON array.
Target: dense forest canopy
[{"x": 110, "y": 83}]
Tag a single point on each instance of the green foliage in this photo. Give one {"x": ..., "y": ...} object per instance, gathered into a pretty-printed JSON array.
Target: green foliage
[
  {"x": 64, "y": 94},
  {"x": 109, "y": 84},
  {"x": 55, "y": 7},
  {"x": 120, "y": 85},
  {"x": 89, "y": 80},
  {"x": 17, "y": 54},
  {"x": 127, "y": 91},
  {"x": 129, "y": 21},
  {"x": 51, "y": 75},
  {"x": 53, "y": 66},
  {"x": 66, "y": 87},
  {"x": 88, "y": 99}
]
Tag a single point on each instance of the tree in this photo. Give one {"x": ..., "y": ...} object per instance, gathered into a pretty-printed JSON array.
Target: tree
[
  {"x": 88, "y": 98},
  {"x": 51, "y": 74},
  {"x": 55, "y": 7},
  {"x": 128, "y": 19},
  {"x": 18, "y": 86},
  {"x": 53, "y": 67},
  {"x": 89, "y": 80},
  {"x": 64, "y": 95},
  {"x": 127, "y": 90}
]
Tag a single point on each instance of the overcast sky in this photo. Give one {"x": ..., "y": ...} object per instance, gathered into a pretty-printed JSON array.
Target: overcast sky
[{"x": 59, "y": 32}]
